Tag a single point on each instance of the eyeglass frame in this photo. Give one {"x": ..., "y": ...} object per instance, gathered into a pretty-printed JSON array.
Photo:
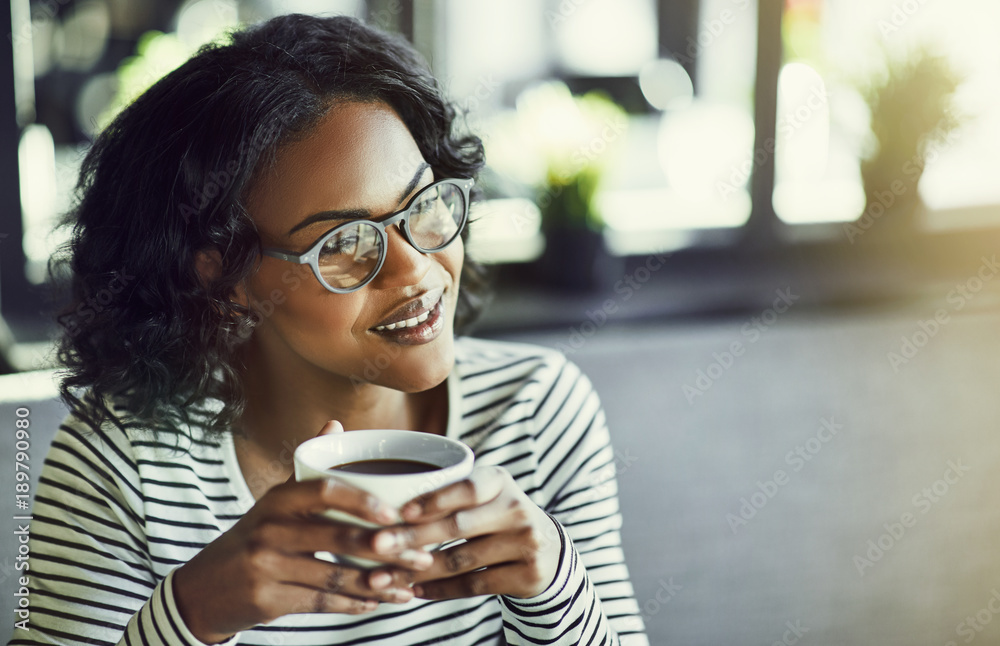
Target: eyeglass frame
[{"x": 311, "y": 255}]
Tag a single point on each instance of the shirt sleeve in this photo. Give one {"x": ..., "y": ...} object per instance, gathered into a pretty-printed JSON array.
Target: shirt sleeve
[
  {"x": 591, "y": 600},
  {"x": 91, "y": 579}
]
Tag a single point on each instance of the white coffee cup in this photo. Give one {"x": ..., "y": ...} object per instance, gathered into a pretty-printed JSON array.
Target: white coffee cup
[{"x": 316, "y": 457}]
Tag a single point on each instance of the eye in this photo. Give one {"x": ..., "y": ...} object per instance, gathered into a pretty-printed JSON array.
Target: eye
[
  {"x": 428, "y": 201},
  {"x": 340, "y": 244}
]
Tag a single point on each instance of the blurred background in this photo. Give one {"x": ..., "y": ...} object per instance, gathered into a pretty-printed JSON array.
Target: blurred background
[{"x": 766, "y": 229}]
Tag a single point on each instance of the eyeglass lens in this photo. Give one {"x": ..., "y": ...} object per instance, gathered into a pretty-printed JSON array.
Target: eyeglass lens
[{"x": 351, "y": 255}]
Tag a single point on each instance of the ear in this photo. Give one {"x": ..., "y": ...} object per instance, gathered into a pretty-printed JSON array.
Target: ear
[
  {"x": 239, "y": 296},
  {"x": 208, "y": 264}
]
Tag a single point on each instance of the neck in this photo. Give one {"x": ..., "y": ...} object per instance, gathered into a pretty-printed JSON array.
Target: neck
[{"x": 287, "y": 405}]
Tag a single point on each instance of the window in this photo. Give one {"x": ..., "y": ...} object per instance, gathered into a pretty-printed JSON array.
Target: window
[{"x": 835, "y": 51}]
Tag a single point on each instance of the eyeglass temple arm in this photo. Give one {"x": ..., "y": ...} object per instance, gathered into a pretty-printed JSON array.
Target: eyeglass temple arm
[{"x": 290, "y": 257}]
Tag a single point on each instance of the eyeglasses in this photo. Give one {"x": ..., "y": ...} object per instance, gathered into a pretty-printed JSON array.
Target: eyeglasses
[{"x": 349, "y": 256}]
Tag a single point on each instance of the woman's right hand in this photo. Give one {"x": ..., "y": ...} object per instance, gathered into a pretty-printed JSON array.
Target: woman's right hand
[{"x": 264, "y": 567}]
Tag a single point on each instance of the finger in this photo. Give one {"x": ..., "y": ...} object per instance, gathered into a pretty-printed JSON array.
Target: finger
[
  {"x": 498, "y": 515},
  {"x": 305, "y": 537},
  {"x": 333, "y": 426},
  {"x": 295, "y": 599},
  {"x": 477, "y": 553},
  {"x": 339, "y": 578},
  {"x": 323, "y": 494},
  {"x": 511, "y": 579},
  {"x": 484, "y": 484},
  {"x": 390, "y": 577}
]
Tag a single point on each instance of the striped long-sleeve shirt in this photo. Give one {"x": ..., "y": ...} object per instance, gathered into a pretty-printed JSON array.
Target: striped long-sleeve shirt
[{"x": 118, "y": 510}]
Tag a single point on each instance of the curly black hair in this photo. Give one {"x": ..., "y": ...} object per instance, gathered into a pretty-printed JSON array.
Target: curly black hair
[{"x": 169, "y": 177}]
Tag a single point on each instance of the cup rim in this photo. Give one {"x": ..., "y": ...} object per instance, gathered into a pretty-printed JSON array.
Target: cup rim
[{"x": 300, "y": 454}]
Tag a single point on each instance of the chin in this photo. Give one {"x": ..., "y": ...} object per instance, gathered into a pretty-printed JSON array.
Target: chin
[
  {"x": 418, "y": 369},
  {"x": 414, "y": 383}
]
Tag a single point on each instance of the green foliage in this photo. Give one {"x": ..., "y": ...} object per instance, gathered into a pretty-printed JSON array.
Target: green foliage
[
  {"x": 567, "y": 202},
  {"x": 157, "y": 54},
  {"x": 911, "y": 110},
  {"x": 560, "y": 144}
]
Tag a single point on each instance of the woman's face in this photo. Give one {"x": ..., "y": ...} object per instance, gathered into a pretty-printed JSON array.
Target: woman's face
[{"x": 359, "y": 159}]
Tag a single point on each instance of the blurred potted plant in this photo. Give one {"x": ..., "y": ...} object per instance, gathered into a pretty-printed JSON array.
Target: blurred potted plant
[
  {"x": 911, "y": 114},
  {"x": 560, "y": 145}
]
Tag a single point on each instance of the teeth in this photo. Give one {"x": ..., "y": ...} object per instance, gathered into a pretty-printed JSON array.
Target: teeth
[{"x": 411, "y": 322}]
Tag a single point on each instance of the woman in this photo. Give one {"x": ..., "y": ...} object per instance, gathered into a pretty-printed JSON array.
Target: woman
[{"x": 243, "y": 204}]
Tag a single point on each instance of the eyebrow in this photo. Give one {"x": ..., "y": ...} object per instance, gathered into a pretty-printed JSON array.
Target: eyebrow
[{"x": 355, "y": 214}]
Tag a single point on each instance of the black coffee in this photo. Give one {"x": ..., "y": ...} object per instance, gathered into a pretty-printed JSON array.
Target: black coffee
[{"x": 384, "y": 467}]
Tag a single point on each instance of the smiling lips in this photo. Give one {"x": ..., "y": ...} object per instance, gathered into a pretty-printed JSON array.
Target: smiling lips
[
  {"x": 416, "y": 322},
  {"x": 411, "y": 322}
]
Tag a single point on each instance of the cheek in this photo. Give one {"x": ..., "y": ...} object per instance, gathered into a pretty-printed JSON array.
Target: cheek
[
  {"x": 286, "y": 295},
  {"x": 451, "y": 260},
  {"x": 453, "y": 257},
  {"x": 274, "y": 283}
]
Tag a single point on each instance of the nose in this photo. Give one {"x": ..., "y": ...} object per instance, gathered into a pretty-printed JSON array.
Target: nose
[{"x": 404, "y": 265}]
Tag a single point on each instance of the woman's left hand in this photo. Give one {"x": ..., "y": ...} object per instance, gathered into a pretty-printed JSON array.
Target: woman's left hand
[{"x": 507, "y": 534}]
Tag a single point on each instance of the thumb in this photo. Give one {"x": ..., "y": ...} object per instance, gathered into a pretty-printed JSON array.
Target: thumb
[{"x": 333, "y": 426}]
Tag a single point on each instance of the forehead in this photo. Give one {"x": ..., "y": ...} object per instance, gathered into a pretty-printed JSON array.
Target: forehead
[{"x": 359, "y": 155}]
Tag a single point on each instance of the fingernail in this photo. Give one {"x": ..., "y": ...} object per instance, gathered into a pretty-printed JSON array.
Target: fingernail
[
  {"x": 418, "y": 590},
  {"x": 385, "y": 542},
  {"x": 417, "y": 558},
  {"x": 370, "y": 605},
  {"x": 380, "y": 580},
  {"x": 386, "y": 515},
  {"x": 402, "y": 595}
]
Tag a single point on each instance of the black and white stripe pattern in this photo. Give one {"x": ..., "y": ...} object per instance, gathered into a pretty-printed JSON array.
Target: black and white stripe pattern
[{"x": 118, "y": 509}]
